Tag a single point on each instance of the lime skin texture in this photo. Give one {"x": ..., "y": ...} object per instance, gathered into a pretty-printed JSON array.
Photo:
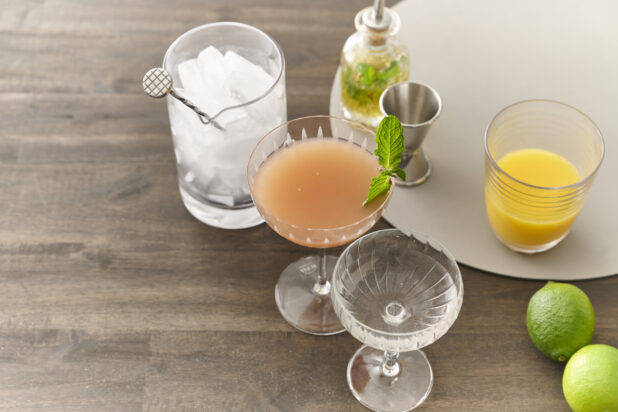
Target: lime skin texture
[
  {"x": 560, "y": 320},
  {"x": 590, "y": 379}
]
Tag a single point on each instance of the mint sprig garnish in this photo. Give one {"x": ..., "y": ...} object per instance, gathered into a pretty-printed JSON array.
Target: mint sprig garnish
[{"x": 389, "y": 139}]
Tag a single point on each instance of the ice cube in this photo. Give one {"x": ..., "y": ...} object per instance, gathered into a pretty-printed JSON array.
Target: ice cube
[
  {"x": 190, "y": 77},
  {"x": 247, "y": 80},
  {"x": 191, "y": 137},
  {"x": 205, "y": 83},
  {"x": 231, "y": 154},
  {"x": 212, "y": 68},
  {"x": 267, "y": 112},
  {"x": 182, "y": 115},
  {"x": 196, "y": 91},
  {"x": 233, "y": 120},
  {"x": 216, "y": 93}
]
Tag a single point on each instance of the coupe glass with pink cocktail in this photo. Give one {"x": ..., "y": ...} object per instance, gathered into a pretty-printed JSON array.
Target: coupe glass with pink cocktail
[{"x": 308, "y": 179}]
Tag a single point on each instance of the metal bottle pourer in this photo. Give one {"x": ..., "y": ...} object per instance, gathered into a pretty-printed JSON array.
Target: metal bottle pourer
[
  {"x": 375, "y": 18},
  {"x": 158, "y": 82}
]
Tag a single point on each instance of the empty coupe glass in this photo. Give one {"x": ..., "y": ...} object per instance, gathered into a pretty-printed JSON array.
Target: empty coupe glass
[{"x": 396, "y": 294}]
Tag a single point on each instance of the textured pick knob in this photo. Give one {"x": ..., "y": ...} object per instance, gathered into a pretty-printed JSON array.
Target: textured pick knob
[{"x": 157, "y": 82}]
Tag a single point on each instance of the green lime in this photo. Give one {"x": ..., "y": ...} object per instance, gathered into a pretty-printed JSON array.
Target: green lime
[
  {"x": 590, "y": 379},
  {"x": 560, "y": 320}
]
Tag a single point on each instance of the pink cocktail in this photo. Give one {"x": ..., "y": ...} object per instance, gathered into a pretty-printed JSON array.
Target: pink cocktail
[{"x": 308, "y": 179}]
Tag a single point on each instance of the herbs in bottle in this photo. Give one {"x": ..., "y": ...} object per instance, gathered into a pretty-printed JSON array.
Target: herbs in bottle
[{"x": 372, "y": 59}]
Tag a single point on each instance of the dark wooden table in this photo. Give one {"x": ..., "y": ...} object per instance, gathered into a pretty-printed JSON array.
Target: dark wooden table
[{"x": 112, "y": 297}]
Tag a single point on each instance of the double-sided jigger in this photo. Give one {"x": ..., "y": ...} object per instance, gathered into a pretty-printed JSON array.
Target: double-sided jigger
[
  {"x": 158, "y": 83},
  {"x": 417, "y": 106}
]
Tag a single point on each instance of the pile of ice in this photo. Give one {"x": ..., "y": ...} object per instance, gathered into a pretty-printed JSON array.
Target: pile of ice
[{"x": 212, "y": 162}]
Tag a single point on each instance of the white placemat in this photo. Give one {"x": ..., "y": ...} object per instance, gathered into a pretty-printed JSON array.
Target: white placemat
[{"x": 482, "y": 55}]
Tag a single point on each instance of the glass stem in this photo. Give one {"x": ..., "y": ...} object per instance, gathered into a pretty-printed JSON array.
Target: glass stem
[
  {"x": 322, "y": 285},
  {"x": 390, "y": 366}
]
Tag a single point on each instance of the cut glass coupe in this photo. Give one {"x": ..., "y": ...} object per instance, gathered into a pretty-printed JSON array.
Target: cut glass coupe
[{"x": 396, "y": 294}]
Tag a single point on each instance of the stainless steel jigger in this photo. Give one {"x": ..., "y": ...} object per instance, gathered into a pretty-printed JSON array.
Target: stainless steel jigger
[
  {"x": 417, "y": 106},
  {"x": 158, "y": 82}
]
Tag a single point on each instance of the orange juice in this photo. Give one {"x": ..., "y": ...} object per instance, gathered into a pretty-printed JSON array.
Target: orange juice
[{"x": 526, "y": 216}]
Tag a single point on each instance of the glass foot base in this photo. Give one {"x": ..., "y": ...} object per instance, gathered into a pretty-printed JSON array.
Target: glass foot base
[
  {"x": 300, "y": 305},
  {"x": 221, "y": 218},
  {"x": 400, "y": 393}
]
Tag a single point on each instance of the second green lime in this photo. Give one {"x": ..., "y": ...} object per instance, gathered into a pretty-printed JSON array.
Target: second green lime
[{"x": 590, "y": 380}]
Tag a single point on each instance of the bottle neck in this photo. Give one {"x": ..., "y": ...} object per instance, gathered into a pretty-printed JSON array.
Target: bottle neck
[{"x": 374, "y": 40}]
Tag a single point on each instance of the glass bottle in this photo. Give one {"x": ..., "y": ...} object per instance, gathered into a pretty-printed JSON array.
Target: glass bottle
[{"x": 372, "y": 59}]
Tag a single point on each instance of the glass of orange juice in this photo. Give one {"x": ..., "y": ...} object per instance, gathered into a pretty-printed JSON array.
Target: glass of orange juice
[{"x": 541, "y": 157}]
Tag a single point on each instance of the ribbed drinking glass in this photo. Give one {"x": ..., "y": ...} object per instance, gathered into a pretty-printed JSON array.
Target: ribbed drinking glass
[{"x": 526, "y": 217}]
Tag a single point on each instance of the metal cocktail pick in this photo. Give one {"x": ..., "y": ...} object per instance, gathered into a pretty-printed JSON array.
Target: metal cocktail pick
[{"x": 158, "y": 82}]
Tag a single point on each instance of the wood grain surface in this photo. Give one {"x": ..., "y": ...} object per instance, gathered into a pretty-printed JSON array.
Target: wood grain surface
[{"x": 113, "y": 298}]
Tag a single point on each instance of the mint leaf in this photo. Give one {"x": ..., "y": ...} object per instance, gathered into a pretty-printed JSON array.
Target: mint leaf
[
  {"x": 379, "y": 185},
  {"x": 389, "y": 139},
  {"x": 367, "y": 73},
  {"x": 388, "y": 72},
  {"x": 353, "y": 90},
  {"x": 400, "y": 173}
]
